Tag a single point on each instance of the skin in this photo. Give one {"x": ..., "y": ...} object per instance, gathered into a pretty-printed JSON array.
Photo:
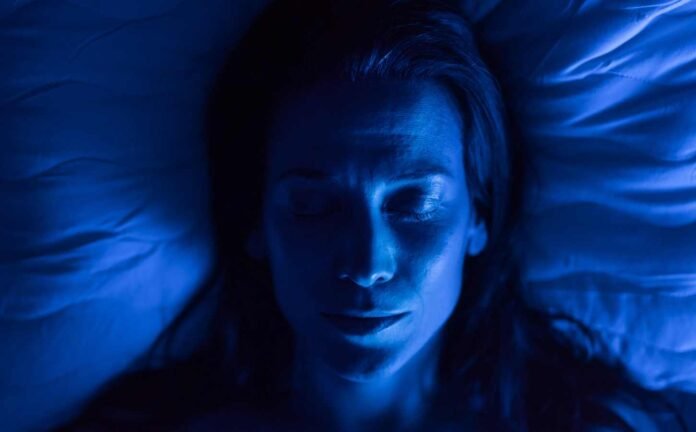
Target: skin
[{"x": 366, "y": 211}]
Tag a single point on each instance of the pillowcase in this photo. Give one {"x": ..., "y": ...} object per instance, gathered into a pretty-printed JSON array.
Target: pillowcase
[
  {"x": 104, "y": 224},
  {"x": 605, "y": 96}
]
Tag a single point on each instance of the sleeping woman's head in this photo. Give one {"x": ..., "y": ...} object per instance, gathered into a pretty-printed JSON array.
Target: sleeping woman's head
[
  {"x": 362, "y": 187},
  {"x": 364, "y": 195},
  {"x": 367, "y": 219}
]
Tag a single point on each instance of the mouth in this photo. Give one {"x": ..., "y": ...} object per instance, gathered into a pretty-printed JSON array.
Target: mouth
[{"x": 362, "y": 325}]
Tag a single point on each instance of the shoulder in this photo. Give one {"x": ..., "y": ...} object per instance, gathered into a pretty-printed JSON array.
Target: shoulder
[
  {"x": 239, "y": 416},
  {"x": 223, "y": 420},
  {"x": 645, "y": 415}
]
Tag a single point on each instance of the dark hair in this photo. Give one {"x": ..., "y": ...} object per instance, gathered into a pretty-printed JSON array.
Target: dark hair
[
  {"x": 508, "y": 360},
  {"x": 286, "y": 52}
]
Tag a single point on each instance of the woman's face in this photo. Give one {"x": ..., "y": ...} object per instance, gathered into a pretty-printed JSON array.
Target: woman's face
[{"x": 367, "y": 220}]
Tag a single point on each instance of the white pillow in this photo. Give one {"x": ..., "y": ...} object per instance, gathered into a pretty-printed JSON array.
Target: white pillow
[
  {"x": 605, "y": 95},
  {"x": 104, "y": 224}
]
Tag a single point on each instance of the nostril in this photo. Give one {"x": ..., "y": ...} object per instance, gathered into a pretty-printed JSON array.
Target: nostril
[
  {"x": 366, "y": 281},
  {"x": 367, "y": 256},
  {"x": 381, "y": 278}
]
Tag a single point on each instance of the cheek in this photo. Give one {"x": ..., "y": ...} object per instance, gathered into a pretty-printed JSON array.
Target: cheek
[
  {"x": 299, "y": 261},
  {"x": 436, "y": 269},
  {"x": 298, "y": 247}
]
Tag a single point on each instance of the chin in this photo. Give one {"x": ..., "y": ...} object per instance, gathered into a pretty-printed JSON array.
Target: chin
[{"x": 365, "y": 364}]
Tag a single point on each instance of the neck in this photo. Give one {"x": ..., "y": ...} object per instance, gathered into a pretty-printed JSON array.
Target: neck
[{"x": 398, "y": 401}]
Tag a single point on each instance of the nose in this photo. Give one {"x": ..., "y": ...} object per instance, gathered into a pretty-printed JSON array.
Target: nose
[{"x": 368, "y": 256}]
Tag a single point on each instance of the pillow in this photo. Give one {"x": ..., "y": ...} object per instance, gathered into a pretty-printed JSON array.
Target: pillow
[
  {"x": 605, "y": 96},
  {"x": 105, "y": 231},
  {"x": 104, "y": 225}
]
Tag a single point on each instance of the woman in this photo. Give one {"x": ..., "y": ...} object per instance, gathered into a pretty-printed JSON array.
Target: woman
[{"x": 365, "y": 194}]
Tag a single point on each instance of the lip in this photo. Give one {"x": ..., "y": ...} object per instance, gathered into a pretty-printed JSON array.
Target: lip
[{"x": 365, "y": 324}]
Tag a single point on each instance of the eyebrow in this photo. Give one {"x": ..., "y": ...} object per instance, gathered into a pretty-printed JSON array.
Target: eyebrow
[
  {"x": 422, "y": 171},
  {"x": 304, "y": 173}
]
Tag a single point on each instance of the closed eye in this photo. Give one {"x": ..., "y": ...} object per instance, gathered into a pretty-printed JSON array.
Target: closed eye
[
  {"x": 311, "y": 203},
  {"x": 414, "y": 204}
]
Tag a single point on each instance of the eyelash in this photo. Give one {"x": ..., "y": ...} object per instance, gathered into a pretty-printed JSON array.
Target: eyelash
[
  {"x": 331, "y": 209},
  {"x": 419, "y": 216},
  {"x": 402, "y": 216},
  {"x": 407, "y": 202}
]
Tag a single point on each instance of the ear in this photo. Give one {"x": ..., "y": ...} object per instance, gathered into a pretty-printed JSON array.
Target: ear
[
  {"x": 477, "y": 237},
  {"x": 256, "y": 245}
]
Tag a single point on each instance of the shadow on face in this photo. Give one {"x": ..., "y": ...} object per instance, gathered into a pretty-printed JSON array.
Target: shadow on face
[{"x": 367, "y": 220}]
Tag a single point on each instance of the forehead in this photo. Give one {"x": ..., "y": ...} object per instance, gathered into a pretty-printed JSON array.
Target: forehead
[{"x": 367, "y": 128}]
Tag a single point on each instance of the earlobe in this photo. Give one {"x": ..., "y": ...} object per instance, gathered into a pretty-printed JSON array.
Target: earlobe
[
  {"x": 478, "y": 238},
  {"x": 256, "y": 245}
]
